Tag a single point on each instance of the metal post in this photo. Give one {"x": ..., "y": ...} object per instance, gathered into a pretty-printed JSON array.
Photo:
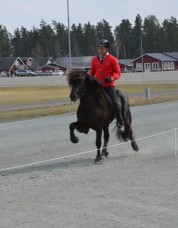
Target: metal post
[
  {"x": 175, "y": 142},
  {"x": 147, "y": 92},
  {"x": 141, "y": 43},
  {"x": 69, "y": 41}
]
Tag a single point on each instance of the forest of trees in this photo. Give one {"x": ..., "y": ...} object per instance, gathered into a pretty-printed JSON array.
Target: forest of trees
[{"x": 52, "y": 40}]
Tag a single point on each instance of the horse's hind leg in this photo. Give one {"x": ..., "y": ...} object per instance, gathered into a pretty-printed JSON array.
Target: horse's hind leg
[
  {"x": 127, "y": 117},
  {"x": 72, "y": 128},
  {"x": 106, "y": 140},
  {"x": 134, "y": 145},
  {"x": 98, "y": 145},
  {"x": 130, "y": 136}
]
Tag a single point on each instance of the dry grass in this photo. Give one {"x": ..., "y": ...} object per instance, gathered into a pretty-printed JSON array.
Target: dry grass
[
  {"x": 154, "y": 100},
  {"x": 32, "y": 94},
  {"x": 140, "y": 88},
  {"x": 29, "y": 95},
  {"x": 36, "y": 112},
  {"x": 35, "y": 94}
]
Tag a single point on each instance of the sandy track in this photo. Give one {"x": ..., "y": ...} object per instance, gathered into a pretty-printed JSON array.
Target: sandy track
[{"x": 127, "y": 190}]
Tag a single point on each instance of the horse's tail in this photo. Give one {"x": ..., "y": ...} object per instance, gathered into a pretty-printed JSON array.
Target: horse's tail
[{"x": 127, "y": 118}]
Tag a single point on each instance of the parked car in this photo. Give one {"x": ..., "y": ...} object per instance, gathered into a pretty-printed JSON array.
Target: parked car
[
  {"x": 25, "y": 72},
  {"x": 3, "y": 74},
  {"x": 57, "y": 72}
]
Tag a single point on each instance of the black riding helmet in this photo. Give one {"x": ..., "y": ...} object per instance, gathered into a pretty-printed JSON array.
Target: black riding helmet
[{"x": 103, "y": 42}]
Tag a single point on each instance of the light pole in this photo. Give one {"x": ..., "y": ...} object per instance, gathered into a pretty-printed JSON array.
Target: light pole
[
  {"x": 69, "y": 41},
  {"x": 141, "y": 44}
]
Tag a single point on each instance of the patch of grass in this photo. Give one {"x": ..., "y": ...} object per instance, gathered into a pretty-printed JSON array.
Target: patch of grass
[
  {"x": 154, "y": 100},
  {"x": 36, "y": 112},
  {"x": 35, "y": 94},
  {"x": 48, "y": 111},
  {"x": 140, "y": 88},
  {"x": 31, "y": 94}
]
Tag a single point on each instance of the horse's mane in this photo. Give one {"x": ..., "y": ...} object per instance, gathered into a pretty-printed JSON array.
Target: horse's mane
[
  {"x": 78, "y": 75},
  {"x": 91, "y": 85},
  {"x": 75, "y": 75}
]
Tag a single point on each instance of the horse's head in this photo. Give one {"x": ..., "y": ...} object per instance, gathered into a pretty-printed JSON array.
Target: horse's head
[{"x": 76, "y": 78}]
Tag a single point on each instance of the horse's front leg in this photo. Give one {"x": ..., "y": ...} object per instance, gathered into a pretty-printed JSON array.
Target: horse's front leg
[
  {"x": 106, "y": 140},
  {"x": 98, "y": 145},
  {"x": 72, "y": 128}
]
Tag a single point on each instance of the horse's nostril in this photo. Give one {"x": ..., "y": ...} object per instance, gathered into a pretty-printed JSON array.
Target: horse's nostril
[{"x": 73, "y": 97}]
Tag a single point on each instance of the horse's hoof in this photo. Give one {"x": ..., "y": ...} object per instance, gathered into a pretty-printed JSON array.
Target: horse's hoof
[
  {"x": 135, "y": 146},
  {"x": 98, "y": 160},
  {"x": 74, "y": 139},
  {"x": 105, "y": 154}
]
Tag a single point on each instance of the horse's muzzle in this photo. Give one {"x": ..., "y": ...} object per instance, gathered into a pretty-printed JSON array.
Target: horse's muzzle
[{"x": 73, "y": 97}]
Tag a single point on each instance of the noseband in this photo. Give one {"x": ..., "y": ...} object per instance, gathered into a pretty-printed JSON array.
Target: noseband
[{"x": 75, "y": 95}]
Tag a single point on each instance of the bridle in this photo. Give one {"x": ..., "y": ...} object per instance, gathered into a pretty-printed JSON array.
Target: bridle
[
  {"x": 74, "y": 96},
  {"x": 77, "y": 93}
]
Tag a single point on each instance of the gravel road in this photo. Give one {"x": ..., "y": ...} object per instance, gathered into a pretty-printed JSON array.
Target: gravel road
[{"x": 128, "y": 190}]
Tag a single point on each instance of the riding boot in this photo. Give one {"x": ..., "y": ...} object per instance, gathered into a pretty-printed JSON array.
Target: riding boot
[
  {"x": 119, "y": 119},
  {"x": 120, "y": 123},
  {"x": 111, "y": 92}
]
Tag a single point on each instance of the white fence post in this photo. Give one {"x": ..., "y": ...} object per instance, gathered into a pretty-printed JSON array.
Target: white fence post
[
  {"x": 175, "y": 142},
  {"x": 147, "y": 92}
]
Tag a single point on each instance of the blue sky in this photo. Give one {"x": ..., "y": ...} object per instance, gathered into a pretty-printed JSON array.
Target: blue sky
[{"x": 17, "y": 13}]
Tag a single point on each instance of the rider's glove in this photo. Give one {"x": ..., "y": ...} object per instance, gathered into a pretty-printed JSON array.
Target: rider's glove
[{"x": 108, "y": 80}]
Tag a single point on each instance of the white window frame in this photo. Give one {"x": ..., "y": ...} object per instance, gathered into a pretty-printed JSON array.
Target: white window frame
[
  {"x": 138, "y": 66},
  {"x": 168, "y": 65},
  {"x": 172, "y": 66},
  {"x": 155, "y": 65},
  {"x": 165, "y": 65},
  {"x": 147, "y": 66}
]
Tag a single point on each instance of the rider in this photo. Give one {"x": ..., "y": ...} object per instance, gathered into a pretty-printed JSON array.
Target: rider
[{"x": 106, "y": 69}]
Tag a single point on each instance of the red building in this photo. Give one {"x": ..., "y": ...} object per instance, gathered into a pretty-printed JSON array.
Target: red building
[
  {"x": 8, "y": 65},
  {"x": 155, "y": 62},
  {"x": 126, "y": 65}
]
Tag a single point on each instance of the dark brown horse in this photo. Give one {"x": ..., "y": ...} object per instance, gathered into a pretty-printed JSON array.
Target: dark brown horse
[{"x": 95, "y": 111}]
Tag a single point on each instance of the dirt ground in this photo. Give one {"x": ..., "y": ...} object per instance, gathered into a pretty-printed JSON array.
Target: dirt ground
[
  {"x": 125, "y": 191},
  {"x": 128, "y": 190}
]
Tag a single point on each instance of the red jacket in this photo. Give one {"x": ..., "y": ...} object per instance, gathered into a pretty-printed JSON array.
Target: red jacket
[{"x": 108, "y": 68}]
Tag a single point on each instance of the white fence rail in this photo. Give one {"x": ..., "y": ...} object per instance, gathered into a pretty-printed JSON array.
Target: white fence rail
[{"x": 90, "y": 151}]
